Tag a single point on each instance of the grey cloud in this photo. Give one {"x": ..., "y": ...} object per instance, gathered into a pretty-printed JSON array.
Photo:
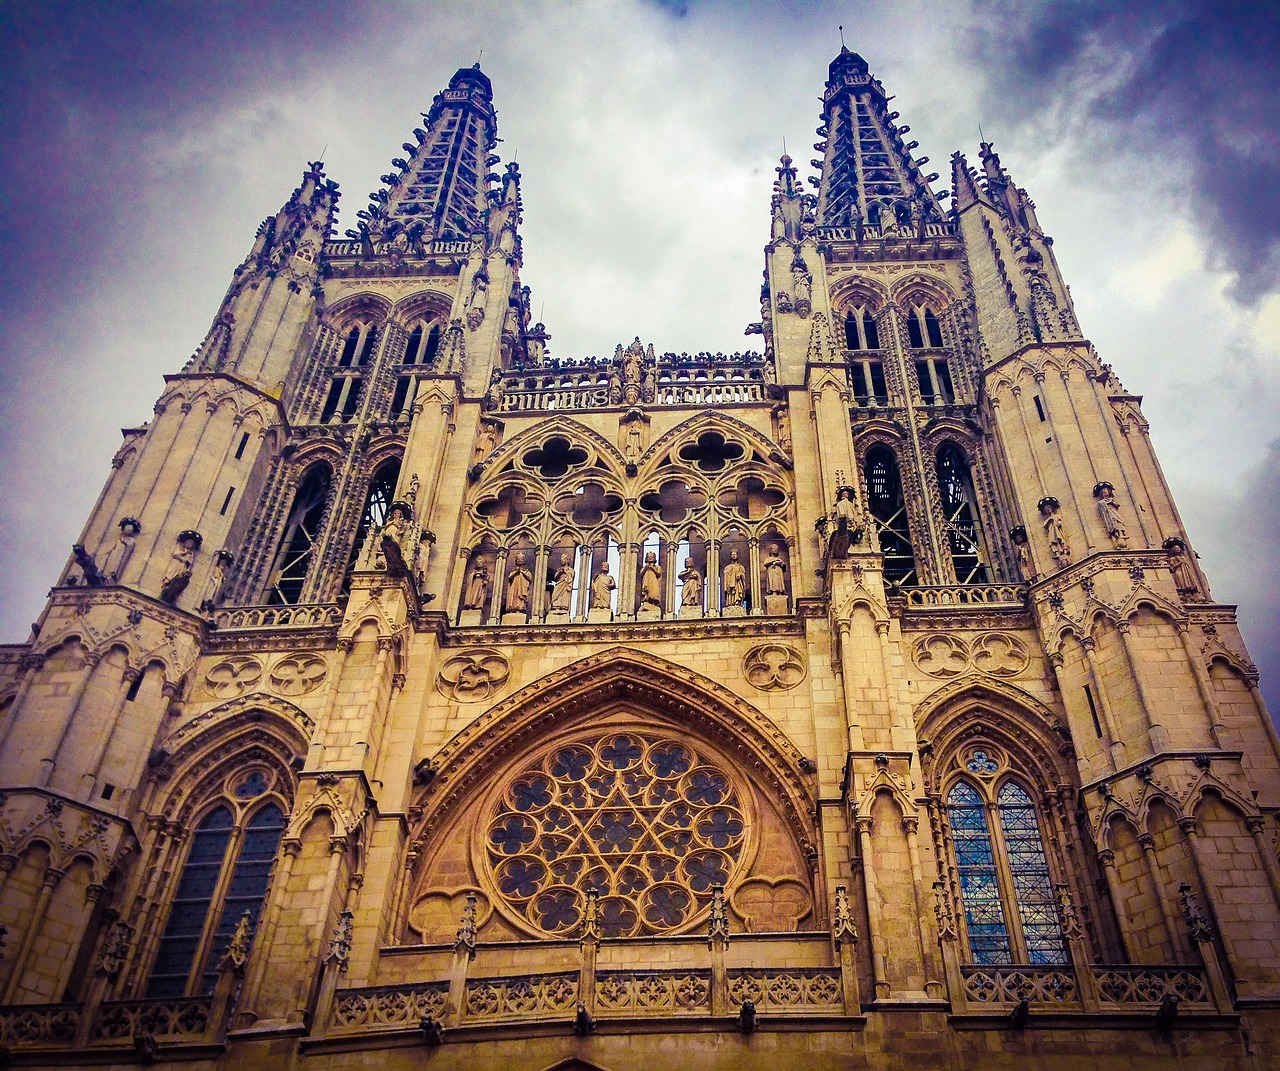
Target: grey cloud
[{"x": 1193, "y": 83}]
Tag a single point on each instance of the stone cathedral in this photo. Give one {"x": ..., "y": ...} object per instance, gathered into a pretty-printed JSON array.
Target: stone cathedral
[{"x": 415, "y": 697}]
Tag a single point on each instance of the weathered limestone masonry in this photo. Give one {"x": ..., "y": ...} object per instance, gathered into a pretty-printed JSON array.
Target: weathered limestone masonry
[{"x": 417, "y": 698}]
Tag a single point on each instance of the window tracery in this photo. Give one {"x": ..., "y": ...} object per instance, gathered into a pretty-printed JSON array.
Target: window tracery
[
  {"x": 960, "y": 515},
  {"x": 1005, "y": 885},
  {"x": 600, "y": 543},
  {"x": 293, "y": 556},
  {"x": 889, "y": 511},
  {"x": 225, "y": 875}
]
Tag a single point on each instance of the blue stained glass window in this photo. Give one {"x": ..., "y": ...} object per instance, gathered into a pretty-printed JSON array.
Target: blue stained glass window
[
  {"x": 1030, "y": 871},
  {"x": 979, "y": 886}
]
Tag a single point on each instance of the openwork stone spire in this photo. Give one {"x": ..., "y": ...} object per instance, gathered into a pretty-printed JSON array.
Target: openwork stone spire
[
  {"x": 441, "y": 190},
  {"x": 868, "y": 174}
]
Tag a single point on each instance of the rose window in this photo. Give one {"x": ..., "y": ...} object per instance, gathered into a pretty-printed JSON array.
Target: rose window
[{"x": 648, "y": 824}]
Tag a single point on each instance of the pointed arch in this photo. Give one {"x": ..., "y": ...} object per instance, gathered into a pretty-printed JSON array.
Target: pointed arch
[
  {"x": 701, "y": 423},
  {"x": 563, "y": 426},
  {"x": 366, "y": 306},
  {"x": 922, "y": 288},
  {"x": 581, "y": 690}
]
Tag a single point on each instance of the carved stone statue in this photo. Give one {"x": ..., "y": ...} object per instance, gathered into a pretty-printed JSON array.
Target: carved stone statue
[
  {"x": 651, "y": 583},
  {"x": 775, "y": 572},
  {"x": 477, "y": 589},
  {"x": 519, "y": 584},
  {"x": 1109, "y": 514},
  {"x": 602, "y": 589},
  {"x": 1184, "y": 573},
  {"x": 118, "y": 556},
  {"x": 178, "y": 575},
  {"x": 691, "y": 586},
  {"x": 222, "y": 561},
  {"x": 486, "y": 441},
  {"x": 493, "y": 396},
  {"x": 735, "y": 581},
  {"x": 1054, "y": 532},
  {"x": 478, "y": 299},
  {"x": 635, "y": 440},
  {"x": 847, "y": 529},
  {"x": 1022, "y": 547},
  {"x": 784, "y": 432},
  {"x": 801, "y": 286},
  {"x": 562, "y": 589}
]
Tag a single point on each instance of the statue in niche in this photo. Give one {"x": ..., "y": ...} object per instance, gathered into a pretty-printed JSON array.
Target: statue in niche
[
  {"x": 493, "y": 396},
  {"x": 477, "y": 588},
  {"x": 735, "y": 581},
  {"x": 519, "y": 584},
  {"x": 691, "y": 586},
  {"x": 847, "y": 531},
  {"x": 392, "y": 539},
  {"x": 632, "y": 363},
  {"x": 118, "y": 556},
  {"x": 562, "y": 588},
  {"x": 1184, "y": 573},
  {"x": 486, "y": 441},
  {"x": 1059, "y": 548},
  {"x": 784, "y": 432},
  {"x": 178, "y": 575},
  {"x": 801, "y": 286},
  {"x": 478, "y": 299},
  {"x": 602, "y": 589},
  {"x": 1022, "y": 547},
  {"x": 634, "y": 445},
  {"x": 651, "y": 583},
  {"x": 1109, "y": 514},
  {"x": 775, "y": 572},
  {"x": 222, "y": 561},
  {"x": 615, "y": 383}
]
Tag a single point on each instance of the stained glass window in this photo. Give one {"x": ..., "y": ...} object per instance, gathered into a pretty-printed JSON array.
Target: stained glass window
[
  {"x": 1000, "y": 932},
  {"x": 200, "y": 900},
  {"x": 648, "y": 824},
  {"x": 1030, "y": 871}
]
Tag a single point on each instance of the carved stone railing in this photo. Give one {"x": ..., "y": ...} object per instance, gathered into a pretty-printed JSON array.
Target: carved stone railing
[
  {"x": 303, "y": 615},
  {"x": 1009, "y": 985},
  {"x": 1127, "y": 986},
  {"x": 528, "y": 997},
  {"x": 388, "y": 1006},
  {"x": 949, "y": 595},
  {"x": 352, "y": 248},
  {"x": 38, "y": 1025},
  {"x": 653, "y": 992},
  {"x": 807, "y": 989},
  {"x": 178, "y": 1018}
]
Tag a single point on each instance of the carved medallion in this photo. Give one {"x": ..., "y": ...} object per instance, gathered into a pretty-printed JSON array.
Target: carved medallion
[
  {"x": 773, "y": 667},
  {"x": 473, "y": 676},
  {"x": 233, "y": 677},
  {"x": 298, "y": 674},
  {"x": 944, "y": 656}
]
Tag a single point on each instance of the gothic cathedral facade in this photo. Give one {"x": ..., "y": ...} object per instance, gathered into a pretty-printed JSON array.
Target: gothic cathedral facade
[{"x": 415, "y": 697}]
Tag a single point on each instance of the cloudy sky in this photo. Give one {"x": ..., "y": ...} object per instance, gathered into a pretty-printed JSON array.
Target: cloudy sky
[{"x": 144, "y": 142}]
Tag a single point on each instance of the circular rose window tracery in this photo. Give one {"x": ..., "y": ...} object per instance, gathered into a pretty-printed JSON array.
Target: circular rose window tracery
[{"x": 647, "y": 823}]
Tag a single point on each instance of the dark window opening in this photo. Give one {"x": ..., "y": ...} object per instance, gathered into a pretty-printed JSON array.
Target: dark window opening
[
  {"x": 932, "y": 330},
  {"x": 353, "y": 400},
  {"x": 331, "y": 402},
  {"x": 1093, "y": 711},
  {"x": 415, "y": 344},
  {"x": 134, "y": 686},
  {"x": 851, "y": 340},
  {"x": 244, "y": 441},
  {"x": 108, "y": 790},
  {"x": 870, "y": 332},
  {"x": 913, "y": 331},
  {"x": 433, "y": 345},
  {"x": 293, "y": 559},
  {"x": 349, "y": 347},
  {"x": 382, "y": 489},
  {"x": 889, "y": 511},
  {"x": 226, "y": 502},
  {"x": 869, "y": 386},
  {"x": 960, "y": 516},
  {"x": 1039, "y": 407},
  {"x": 366, "y": 350}
]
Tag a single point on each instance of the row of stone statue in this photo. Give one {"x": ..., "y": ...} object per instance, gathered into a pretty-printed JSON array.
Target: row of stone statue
[{"x": 518, "y": 590}]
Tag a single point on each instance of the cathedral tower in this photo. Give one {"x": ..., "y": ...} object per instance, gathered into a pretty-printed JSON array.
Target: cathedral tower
[{"x": 856, "y": 697}]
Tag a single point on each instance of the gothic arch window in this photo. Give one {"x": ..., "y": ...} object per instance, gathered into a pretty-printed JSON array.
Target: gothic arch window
[
  {"x": 1005, "y": 887},
  {"x": 223, "y": 877},
  {"x": 377, "y": 501},
  {"x": 960, "y": 515},
  {"x": 860, "y": 331},
  {"x": 357, "y": 347},
  {"x": 923, "y": 330},
  {"x": 293, "y": 558},
  {"x": 889, "y": 511},
  {"x": 424, "y": 343}
]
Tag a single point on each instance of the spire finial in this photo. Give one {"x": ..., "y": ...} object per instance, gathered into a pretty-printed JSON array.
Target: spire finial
[
  {"x": 842, "y": 44},
  {"x": 479, "y": 58}
]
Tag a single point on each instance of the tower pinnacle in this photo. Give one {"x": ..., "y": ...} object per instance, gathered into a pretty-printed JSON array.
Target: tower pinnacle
[{"x": 868, "y": 175}]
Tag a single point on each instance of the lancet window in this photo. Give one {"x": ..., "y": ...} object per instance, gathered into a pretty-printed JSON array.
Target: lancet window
[
  {"x": 293, "y": 557},
  {"x": 707, "y": 533},
  {"x": 358, "y": 347},
  {"x": 889, "y": 511},
  {"x": 923, "y": 330},
  {"x": 934, "y": 376},
  {"x": 224, "y": 876},
  {"x": 423, "y": 344},
  {"x": 1005, "y": 886},
  {"x": 860, "y": 331},
  {"x": 382, "y": 489},
  {"x": 960, "y": 515}
]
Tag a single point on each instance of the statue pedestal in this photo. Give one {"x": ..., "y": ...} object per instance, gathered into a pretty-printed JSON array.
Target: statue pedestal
[
  {"x": 471, "y": 617},
  {"x": 558, "y": 617},
  {"x": 690, "y": 611},
  {"x": 518, "y": 617},
  {"x": 777, "y": 605},
  {"x": 649, "y": 612},
  {"x": 736, "y": 610},
  {"x": 599, "y": 613}
]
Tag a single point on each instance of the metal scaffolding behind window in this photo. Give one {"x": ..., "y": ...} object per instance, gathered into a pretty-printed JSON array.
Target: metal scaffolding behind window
[
  {"x": 889, "y": 510},
  {"x": 960, "y": 516},
  {"x": 293, "y": 559}
]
